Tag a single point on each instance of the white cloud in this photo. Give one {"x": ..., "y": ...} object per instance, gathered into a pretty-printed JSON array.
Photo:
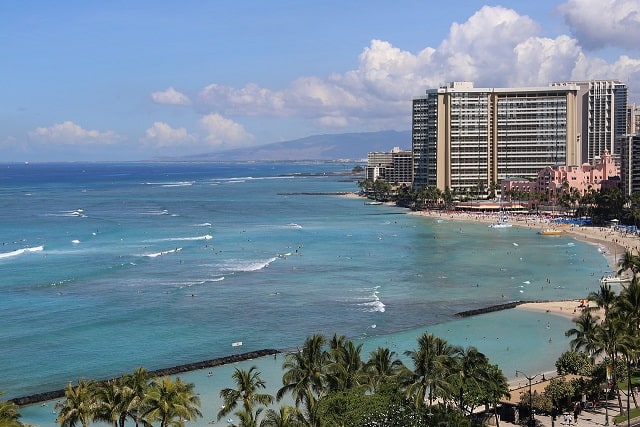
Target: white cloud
[
  {"x": 163, "y": 135},
  {"x": 495, "y": 47},
  {"x": 171, "y": 97},
  {"x": 602, "y": 23},
  {"x": 539, "y": 61},
  {"x": 71, "y": 134},
  {"x": 222, "y": 132}
]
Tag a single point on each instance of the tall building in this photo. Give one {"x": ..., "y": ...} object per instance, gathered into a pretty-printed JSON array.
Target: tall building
[
  {"x": 394, "y": 167},
  {"x": 630, "y": 164},
  {"x": 468, "y": 139},
  {"x": 633, "y": 119},
  {"x": 602, "y": 114}
]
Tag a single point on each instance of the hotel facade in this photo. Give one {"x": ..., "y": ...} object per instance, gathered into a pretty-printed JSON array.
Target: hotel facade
[
  {"x": 465, "y": 137},
  {"x": 470, "y": 139}
]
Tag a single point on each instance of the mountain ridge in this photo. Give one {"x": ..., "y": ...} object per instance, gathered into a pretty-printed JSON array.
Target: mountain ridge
[{"x": 351, "y": 146}]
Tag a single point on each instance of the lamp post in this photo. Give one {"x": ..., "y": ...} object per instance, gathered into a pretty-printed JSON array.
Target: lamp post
[{"x": 532, "y": 420}]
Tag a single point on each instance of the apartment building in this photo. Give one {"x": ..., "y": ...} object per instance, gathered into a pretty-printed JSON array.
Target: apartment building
[
  {"x": 602, "y": 114},
  {"x": 466, "y": 138},
  {"x": 395, "y": 166}
]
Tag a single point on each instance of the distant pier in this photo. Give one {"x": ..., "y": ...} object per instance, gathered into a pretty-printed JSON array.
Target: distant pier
[
  {"x": 211, "y": 363},
  {"x": 492, "y": 308}
]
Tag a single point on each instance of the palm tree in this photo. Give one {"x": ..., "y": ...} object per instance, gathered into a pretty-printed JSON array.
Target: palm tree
[
  {"x": 497, "y": 388},
  {"x": 247, "y": 385},
  {"x": 110, "y": 406},
  {"x": 78, "y": 406},
  {"x": 286, "y": 416},
  {"x": 248, "y": 418},
  {"x": 612, "y": 339},
  {"x": 346, "y": 369},
  {"x": 134, "y": 389},
  {"x": 586, "y": 326},
  {"x": 9, "y": 414},
  {"x": 628, "y": 261},
  {"x": 628, "y": 301},
  {"x": 470, "y": 377},
  {"x": 169, "y": 402},
  {"x": 604, "y": 298},
  {"x": 382, "y": 364},
  {"x": 431, "y": 362},
  {"x": 305, "y": 372}
]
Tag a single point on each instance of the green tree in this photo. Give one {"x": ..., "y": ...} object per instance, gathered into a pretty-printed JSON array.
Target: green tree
[
  {"x": 9, "y": 414},
  {"x": 431, "y": 363},
  {"x": 110, "y": 405},
  {"x": 286, "y": 416},
  {"x": 574, "y": 362},
  {"x": 169, "y": 402},
  {"x": 381, "y": 366},
  {"x": 345, "y": 370},
  {"x": 248, "y": 385},
  {"x": 628, "y": 261},
  {"x": 468, "y": 379},
  {"x": 305, "y": 373},
  {"x": 133, "y": 392},
  {"x": 605, "y": 298},
  {"x": 78, "y": 406},
  {"x": 584, "y": 333},
  {"x": 560, "y": 391}
]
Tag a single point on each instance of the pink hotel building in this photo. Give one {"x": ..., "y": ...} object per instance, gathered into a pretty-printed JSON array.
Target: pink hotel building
[{"x": 551, "y": 180}]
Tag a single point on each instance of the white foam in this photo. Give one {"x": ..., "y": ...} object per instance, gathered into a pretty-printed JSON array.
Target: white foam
[
  {"x": 182, "y": 239},
  {"x": 21, "y": 251},
  {"x": 244, "y": 265},
  {"x": 157, "y": 254},
  {"x": 373, "y": 303}
]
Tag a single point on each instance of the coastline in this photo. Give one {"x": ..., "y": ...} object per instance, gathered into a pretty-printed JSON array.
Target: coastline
[{"x": 613, "y": 242}]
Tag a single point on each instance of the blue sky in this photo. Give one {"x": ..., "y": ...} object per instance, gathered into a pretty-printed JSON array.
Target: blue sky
[{"x": 134, "y": 80}]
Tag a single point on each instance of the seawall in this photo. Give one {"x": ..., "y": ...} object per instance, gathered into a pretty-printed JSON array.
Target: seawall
[
  {"x": 211, "y": 363},
  {"x": 492, "y": 308}
]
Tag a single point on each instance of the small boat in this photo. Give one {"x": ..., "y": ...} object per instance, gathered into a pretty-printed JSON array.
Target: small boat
[
  {"x": 551, "y": 232},
  {"x": 614, "y": 280},
  {"x": 373, "y": 203}
]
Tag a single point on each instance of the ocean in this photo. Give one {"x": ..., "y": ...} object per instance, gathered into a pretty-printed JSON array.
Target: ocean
[{"x": 106, "y": 267}]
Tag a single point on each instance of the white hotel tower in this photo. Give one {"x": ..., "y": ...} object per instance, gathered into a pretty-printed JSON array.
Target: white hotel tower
[{"x": 466, "y": 138}]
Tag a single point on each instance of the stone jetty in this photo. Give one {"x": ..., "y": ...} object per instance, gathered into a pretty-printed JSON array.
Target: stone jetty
[{"x": 211, "y": 363}]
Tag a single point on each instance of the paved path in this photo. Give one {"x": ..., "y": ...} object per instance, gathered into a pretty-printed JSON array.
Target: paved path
[{"x": 587, "y": 418}]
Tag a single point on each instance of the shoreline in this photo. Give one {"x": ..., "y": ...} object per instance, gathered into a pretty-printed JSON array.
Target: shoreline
[{"x": 613, "y": 242}]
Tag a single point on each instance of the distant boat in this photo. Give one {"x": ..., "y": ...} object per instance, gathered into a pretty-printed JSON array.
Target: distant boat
[
  {"x": 614, "y": 280},
  {"x": 375, "y": 202},
  {"x": 551, "y": 232}
]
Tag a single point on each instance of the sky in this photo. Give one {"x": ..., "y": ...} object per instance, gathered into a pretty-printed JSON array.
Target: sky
[{"x": 90, "y": 80}]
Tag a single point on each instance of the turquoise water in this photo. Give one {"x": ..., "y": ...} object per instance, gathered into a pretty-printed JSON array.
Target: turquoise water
[{"x": 106, "y": 267}]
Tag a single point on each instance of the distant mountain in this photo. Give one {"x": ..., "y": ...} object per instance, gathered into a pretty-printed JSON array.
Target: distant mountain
[{"x": 353, "y": 146}]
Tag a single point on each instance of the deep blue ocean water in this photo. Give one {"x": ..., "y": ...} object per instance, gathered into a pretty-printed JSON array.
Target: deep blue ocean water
[{"x": 107, "y": 267}]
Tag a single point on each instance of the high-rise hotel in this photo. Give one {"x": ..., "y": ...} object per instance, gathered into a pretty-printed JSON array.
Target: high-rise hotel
[{"x": 466, "y": 138}]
